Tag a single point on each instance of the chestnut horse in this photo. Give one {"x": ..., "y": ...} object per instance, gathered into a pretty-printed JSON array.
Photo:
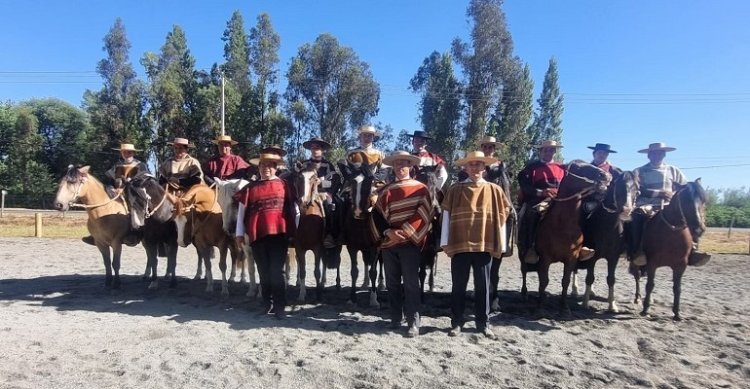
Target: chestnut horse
[
  {"x": 604, "y": 229},
  {"x": 559, "y": 237},
  {"x": 108, "y": 220},
  {"x": 667, "y": 241}
]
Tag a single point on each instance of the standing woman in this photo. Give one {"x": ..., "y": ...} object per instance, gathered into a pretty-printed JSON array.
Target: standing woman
[
  {"x": 474, "y": 214},
  {"x": 267, "y": 215}
]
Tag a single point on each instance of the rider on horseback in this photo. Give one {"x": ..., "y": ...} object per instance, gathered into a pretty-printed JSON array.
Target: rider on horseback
[
  {"x": 181, "y": 171},
  {"x": 419, "y": 142},
  {"x": 367, "y": 135},
  {"x": 330, "y": 186},
  {"x": 600, "y": 153},
  {"x": 225, "y": 166},
  {"x": 657, "y": 183}
]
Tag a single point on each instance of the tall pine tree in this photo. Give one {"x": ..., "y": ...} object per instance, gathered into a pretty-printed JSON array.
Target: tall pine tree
[
  {"x": 513, "y": 116},
  {"x": 548, "y": 119}
]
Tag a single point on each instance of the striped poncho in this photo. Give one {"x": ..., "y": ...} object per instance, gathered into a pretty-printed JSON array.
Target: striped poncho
[
  {"x": 474, "y": 215},
  {"x": 404, "y": 205}
]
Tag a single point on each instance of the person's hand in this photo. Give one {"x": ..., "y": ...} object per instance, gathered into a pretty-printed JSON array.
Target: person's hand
[
  {"x": 174, "y": 180},
  {"x": 396, "y": 235},
  {"x": 549, "y": 192},
  {"x": 665, "y": 194}
]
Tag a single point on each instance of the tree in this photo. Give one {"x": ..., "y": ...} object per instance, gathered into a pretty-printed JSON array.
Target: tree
[
  {"x": 484, "y": 63},
  {"x": 117, "y": 110},
  {"x": 547, "y": 121},
  {"x": 513, "y": 116},
  {"x": 264, "y": 48},
  {"x": 440, "y": 105},
  {"x": 328, "y": 88},
  {"x": 236, "y": 67},
  {"x": 27, "y": 176}
]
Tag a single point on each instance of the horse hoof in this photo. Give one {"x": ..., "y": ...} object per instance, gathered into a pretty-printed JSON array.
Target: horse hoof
[
  {"x": 644, "y": 313},
  {"x": 197, "y": 277},
  {"x": 495, "y": 305},
  {"x": 677, "y": 318}
]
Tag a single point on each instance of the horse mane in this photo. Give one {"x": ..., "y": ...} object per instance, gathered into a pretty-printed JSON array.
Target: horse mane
[{"x": 697, "y": 189}]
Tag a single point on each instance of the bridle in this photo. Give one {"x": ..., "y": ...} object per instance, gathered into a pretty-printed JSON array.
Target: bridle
[
  {"x": 582, "y": 193},
  {"x": 77, "y": 195}
]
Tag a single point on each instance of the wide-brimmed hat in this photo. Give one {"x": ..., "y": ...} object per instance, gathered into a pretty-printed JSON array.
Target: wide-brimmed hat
[
  {"x": 603, "y": 147},
  {"x": 549, "y": 143},
  {"x": 126, "y": 147},
  {"x": 224, "y": 138},
  {"x": 323, "y": 144},
  {"x": 368, "y": 129},
  {"x": 659, "y": 146},
  {"x": 273, "y": 157},
  {"x": 389, "y": 160},
  {"x": 181, "y": 141},
  {"x": 490, "y": 140},
  {"x": 273, "y": 149},
  {"x": 472, "y": 156},
  {"x": 419, "y": 134}
]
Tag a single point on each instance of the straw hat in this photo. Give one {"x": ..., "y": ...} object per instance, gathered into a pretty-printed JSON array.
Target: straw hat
[
  {"x": 419, "y": 134},
  {"x": 603, "y": 147},
  {"x": 272, "y": 157},
  {"x": 549, "y": 143},
  {"x": 367, "y": 129},
  {"x": 126, "y": 147},
  {"x": 659, "y": 146},
  {"x": 472, "y": 156},
  {"x": 323, "y": 144},
  {"x": 224, "y": 138},
  {"x": 273, "y": 149},
  {"x": 403, "y": 155},
  {"x": 181, "y": 141},
  {"x": 486, "y": 140}
]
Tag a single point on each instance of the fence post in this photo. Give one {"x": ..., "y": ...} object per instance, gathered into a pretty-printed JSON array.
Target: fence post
[
  {"x": 38, "y": 225},
  {"x": 731, "y": 224},
  {"x": 2, "y": 206}
]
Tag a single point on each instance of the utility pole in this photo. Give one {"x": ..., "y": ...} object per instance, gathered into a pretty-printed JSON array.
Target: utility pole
[{"x": 223, "y": 130}]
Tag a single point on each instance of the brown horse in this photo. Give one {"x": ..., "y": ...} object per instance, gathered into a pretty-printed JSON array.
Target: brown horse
[
  {"x": 604, "y": 229},
  {"x": 108, "y": 220},
  {"x": 559, "y": 237},
  {"x": 667, "y": 241},
  {"x": 198, "y": 219}
]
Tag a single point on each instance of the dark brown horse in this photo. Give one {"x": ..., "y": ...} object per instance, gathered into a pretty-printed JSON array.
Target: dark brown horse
[
  {"x": 428, "y": 176},
  {"x": 667, "y": 241},
  {"x": 559, "y": 237},
  {"x": 603, "y": 231}
]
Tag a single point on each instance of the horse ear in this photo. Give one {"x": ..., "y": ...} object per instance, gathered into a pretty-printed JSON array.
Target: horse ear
[
  {"x": 84, "y": 170},
  {"x": 298, "y": 166},
  {"x": 698, "y": 181}
]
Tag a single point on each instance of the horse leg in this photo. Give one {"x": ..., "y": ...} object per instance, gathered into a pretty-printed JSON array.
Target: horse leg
[
  {"x": 208, "y": 254},
  {"x": 543, "y": 273},
  {"x": 676, "y": 289},
  {"x": 590, "y": 278},
  {"x": 494, "y": 283},
  {"x": 152, "y": 260},
  {"x": 574, "y": 283},
  {"x": 252, "y": 289},
  {"x": 235, "y": 260},
  {"x": 354, "y": 274},
  {"x": 422, "y": 276},
  {"x": 568, "y": 270},
  {"x": 651, "y": 273},
  {"x": 116, "y": 254},
  {"x": 242, "y": 263},
  {"x": 611, "y": 267},
  {"x": 374, "y": 258},
  {"x": 300, "y": 254},
  {"x": 636, "y": 272},
  {"x": 199, "y": 267},
  {"x": 366, "y": 280},
  {"x": 172, "y": 264},
  {"x": 338, "y": 277},
  {"x": 381, "y": 274},
  {"x": 223, "y": 248},
  {"x": 524, "y": 290},
  {"x": 288, "y": 265},
  {"x": 320, "y": 273},
  {"x": 432, "y": 273},
  {"x": 104, "y": 250}
]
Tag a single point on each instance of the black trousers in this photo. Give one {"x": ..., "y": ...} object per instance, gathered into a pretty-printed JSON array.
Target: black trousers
[
  {"x": 461, "y": 264},
  {"x": 269, "y": 254},
  {"x": 403, "y": 262}
]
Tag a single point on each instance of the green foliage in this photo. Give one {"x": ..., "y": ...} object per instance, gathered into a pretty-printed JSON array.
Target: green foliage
[
  {"x": 514, "y": 114},
  {"x": 548, "y": 121},
  {"x": 726, "y": 204}
]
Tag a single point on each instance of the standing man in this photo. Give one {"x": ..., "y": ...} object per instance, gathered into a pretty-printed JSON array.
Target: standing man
[
  {"x": 400, "y": 221},
  {"x": 181, "y": 171},
  {"x": 225, "y": 165},
  {"x": 657, "y": 184},
  {"x": 330, "y": 185},
  {"x": 474, "y": 210},
  {"x": 427, "y": 158},
  {"x": 266, "y": 214}
]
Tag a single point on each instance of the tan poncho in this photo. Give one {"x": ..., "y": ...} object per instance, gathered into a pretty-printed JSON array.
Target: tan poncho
[{"x": 476, "y": 217}]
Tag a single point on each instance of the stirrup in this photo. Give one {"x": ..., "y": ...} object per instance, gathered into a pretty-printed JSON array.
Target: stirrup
[
  {"x": 697, "y": 258},
  {"x": 585, "y": 254}
]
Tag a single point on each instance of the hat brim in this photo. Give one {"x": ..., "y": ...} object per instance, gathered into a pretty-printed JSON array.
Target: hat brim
[
  {"x": 496, "y": 144},
  {"x": 134, "y": 150},
  {"x": 544, "y": 147},
  {"x": 486, "y": 160},
  {"x": 665, "y": 149},
  {"x": 189, "y": 145},
  {"x": 607, "y": 150},
  {"x": 389, "y": 160},
  {"x": 324, "y": 145},
  {"x": 233, "y": 142},
  {"x": 257, "y": 161},
  {"x": 420, "y": 136}
]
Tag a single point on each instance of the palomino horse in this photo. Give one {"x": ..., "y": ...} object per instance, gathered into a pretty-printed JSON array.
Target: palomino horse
[
  {"x": 225, "y": 190},
  {"x": 667, "y": 240},
  {"x": 198, "y": 219},
  {"x": 428, "y": 176},
  {"x": 108, "y": 220},
  {"x": 359, "y": 184},
  {"x": 559, "y": 237},
  {"x": 603, "y": 231},
  {"x": 151, "y": 210},
  {"x": 310, "y": 231}
]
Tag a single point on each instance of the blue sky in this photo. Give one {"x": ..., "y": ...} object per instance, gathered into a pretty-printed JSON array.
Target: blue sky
[{"x": 632, "y": 72}]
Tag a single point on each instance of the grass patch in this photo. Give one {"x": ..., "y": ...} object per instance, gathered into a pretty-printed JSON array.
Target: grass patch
[
  {"x": 721, "y": 243},
  {"x": 54, "y": 225}
]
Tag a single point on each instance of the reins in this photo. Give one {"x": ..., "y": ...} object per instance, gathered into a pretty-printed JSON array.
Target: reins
[
  {"x": 148, "y": 213},
  {"x": 77, "y": 194},
  {"x": 683, "y": 221}
]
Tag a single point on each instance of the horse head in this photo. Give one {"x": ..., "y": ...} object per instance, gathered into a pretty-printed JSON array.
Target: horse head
[
  {"x": 428, "y": 175},
  {"x": 72, "y": 186},
  {"x": 305, "y": 182},
  {"x": 583, "y": 178},
  {"x": 358, "y": 185},
  {"x": 229, "y": 206},
  {"x": 693, "y": 199},
  {"x": 183, "y": 210},
  {"x": 621, "y": 195},
  {"x": 147, "y": 199}
]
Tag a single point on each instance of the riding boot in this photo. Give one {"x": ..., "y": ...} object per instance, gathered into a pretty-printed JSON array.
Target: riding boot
[
  {"x": 88, "y": 240},
  {"x": 698, "y": 258},
  {"x": 532, "y": 220},
  {"x": 635, "y": 250}
]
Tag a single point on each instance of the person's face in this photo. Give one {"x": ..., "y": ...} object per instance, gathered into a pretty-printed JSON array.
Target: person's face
[
  {"x": 179, "y": 150},
  {"x": 656, "y": 157},
  {"x": 316, "y": 152},
  {"x": 488, "y": 149},
  {"x": 547, "y": 153},
  {"x": 600, "y": 156},
  {"x": 267, "y": 169},
  {"x": 475, "y": 169},
  {"x": 418, "y": 142},
  {"x": 225, "y": 148},
  {"x": 366, "y": 139},
  {"x": 127, "y": 155},
  {"x": 401, "y": 168}
]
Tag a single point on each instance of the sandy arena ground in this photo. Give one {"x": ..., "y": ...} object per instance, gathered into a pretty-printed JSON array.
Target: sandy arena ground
[{"x": 61, "y": 328}]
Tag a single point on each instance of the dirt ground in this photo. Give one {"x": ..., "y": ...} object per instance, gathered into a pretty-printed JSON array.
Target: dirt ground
[{"x": 61, "y": 328}]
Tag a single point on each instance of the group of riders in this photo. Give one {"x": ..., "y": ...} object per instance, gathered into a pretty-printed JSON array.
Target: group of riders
[{"x": 476, "y": 214}]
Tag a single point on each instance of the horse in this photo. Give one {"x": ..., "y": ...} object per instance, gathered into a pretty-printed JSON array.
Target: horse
[
  {"x": 603, "y": 231},
  {"x": 559, "y": 237},
  {"x": 151, "y": 210},
  {"x": 499, "y": 175},
  {"x": 359, "y": 186},
  {"x": 310, "y": 230},
  {"x": 108, "y": 220},
  {"x": 667, "y": 241},
  {"x": 225, "y": 190},
  {"x": 199, "y": 221},
  {"x": 428, "y": 261}
]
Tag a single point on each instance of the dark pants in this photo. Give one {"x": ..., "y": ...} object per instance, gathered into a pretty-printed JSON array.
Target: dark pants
[
  {"x": 269, "y": 254},
  {"x": 636, "y": 227},
  {"x": 461, "y": 264},
  {"x": 403, "y": 262},
  {"x": 527, "y": 227}
]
